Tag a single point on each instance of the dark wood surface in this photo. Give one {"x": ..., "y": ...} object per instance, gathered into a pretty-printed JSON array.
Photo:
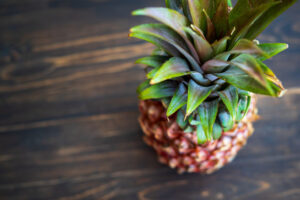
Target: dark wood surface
[{"x": 68, "y": 111}]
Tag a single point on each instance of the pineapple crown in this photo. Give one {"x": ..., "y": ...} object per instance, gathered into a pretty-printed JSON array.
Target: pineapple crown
[{"x": 207, "y": 62}]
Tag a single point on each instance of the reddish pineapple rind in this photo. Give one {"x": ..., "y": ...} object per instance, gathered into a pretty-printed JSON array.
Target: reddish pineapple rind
[{"x": 181, "y": 151}]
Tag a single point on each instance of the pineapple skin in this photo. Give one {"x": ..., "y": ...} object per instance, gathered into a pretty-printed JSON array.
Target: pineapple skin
[{"x": 181, "y": 151}]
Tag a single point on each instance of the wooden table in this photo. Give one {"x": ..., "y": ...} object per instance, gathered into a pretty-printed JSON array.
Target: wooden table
[{"x": 68, "y": 111}]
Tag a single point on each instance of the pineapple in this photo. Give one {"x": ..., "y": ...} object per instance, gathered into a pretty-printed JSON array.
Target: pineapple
[{"x": 198, "y": 101}]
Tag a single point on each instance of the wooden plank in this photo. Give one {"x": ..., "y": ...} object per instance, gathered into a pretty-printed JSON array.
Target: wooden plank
[{"x": 68, "y": 111}]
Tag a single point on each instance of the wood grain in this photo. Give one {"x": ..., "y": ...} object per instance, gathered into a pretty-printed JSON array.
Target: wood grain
[{"x": 68, "y": 111}]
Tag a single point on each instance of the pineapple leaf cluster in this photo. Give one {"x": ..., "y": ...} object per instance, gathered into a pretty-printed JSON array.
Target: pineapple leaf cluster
[{"x": 207, "y": 61}]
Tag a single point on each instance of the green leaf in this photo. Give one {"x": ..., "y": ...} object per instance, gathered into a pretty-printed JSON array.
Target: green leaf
[
  {"x": 271, "y": 49},
  {"x": 174, "y": 67},
  {"x": 243, "y": 46},
  {"x": 180, "y": 119},
  {"x": 244, "y": 14},
  {"x": 214, "y": 66},
  {"x": 178, "y": 100},
  {"x": 174, "y": 5},
  {"x": 278, "y": 91},
  {"x": 159, "y": 52},
  {"x": 225, "y": 119},
  {"x": 171, "y": 18},
  {"x": 196, "y": 95},
  {"x": 161, "y": 90},
  {"x": 188, "y": 129},
  {"x": 201, "y": 137},
  {"x": 210, "y": 7},
  {"x": 229, "y": 3},
  {"x": 243, "y": 106},
  {"x": 274, "y": 82},
  {"x": 194, "y": 122},
  {"x": 143, "y": 86},
  {"x": 241, "y": 12},
  {"x": 244, "y": 92},
  {"x": 248, "y": 47},
  {"x": 163, "y": 32},
  {"x": 165, "y": 102},
  {"x": 198, "y": 31},
  {"x": 265, "y": 19},
  {"x": 220, "y": 19},
  {"x": 256, "y": 77},
  {"x": 220, "y": 46},
  {"x": 269, "y": 73},
  {"x": 248, "y": 64},
  {"x": 194, "y": 119},
  {"x": 170, "y": 49},
  {"x": 186, "y": 10},
  {"x": 230, "y": 98},
  {"x": 167, "y": 16},
  {"x": 166, "y": 34},
  {"x": 207, "y": 113},
  {"x": 203, "y": 47},
  {"x": 249, "y": 99},
  {"x": 242, "y": 80},
  {"x": 217, "y": 131},
  {"x": 152, "y": 61},
  {"x": 152, "y": 73},
  {"x": 198, "y": 78},
  {"x": 210, "y": 28},
  {"x": 195, "y": 7}
]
